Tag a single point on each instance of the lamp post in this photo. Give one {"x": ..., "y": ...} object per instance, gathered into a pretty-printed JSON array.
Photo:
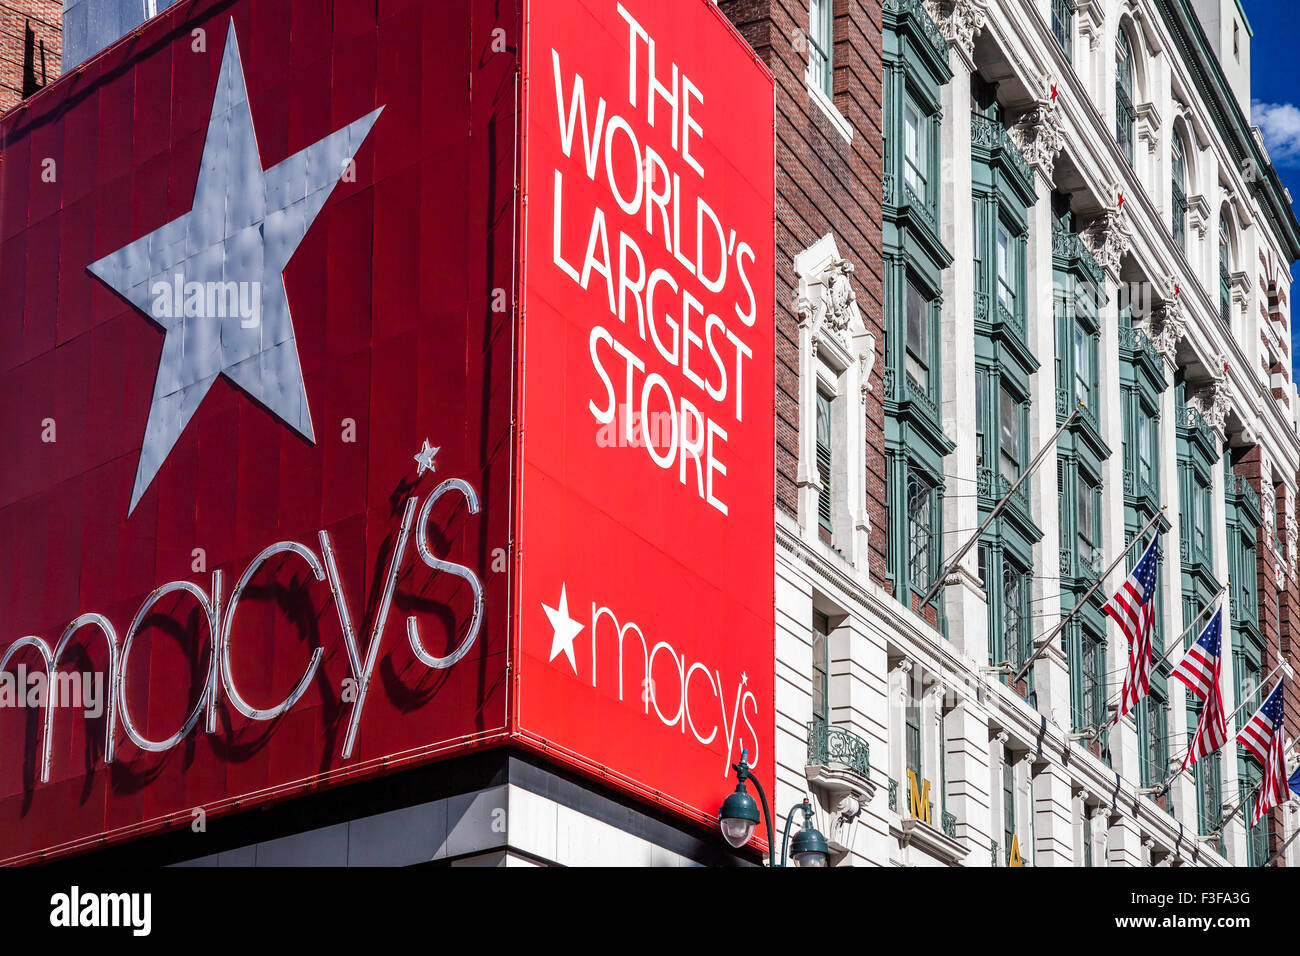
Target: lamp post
[{"x": 739, "y": 815}]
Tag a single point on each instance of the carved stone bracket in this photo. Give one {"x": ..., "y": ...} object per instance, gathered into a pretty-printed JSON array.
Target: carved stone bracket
[
  {"x": 867, "y": 362},
  {"x": 1213, "y": 401},
  {"x": 960, "y": 21},
  {"x": 1148, "y": 125},
  {"x": 1167, "y": 323},
  {"x": 1108, "y": 238},
  {"x": 841, "y": 795},
  {"x": 1038, "y": 133}
]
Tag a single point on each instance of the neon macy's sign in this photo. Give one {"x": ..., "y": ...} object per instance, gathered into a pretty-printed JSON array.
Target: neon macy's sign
[{"x": 220, "y": 617}]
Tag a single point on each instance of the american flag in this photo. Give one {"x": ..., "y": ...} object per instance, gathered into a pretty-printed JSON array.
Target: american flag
[
  {"x": 1262, "y": 736},
  {"x": 1199, "y": 670},
  {"x": 1133, "y": 608}
]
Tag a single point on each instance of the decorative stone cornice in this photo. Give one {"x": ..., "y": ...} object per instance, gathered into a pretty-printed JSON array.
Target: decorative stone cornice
[
  {"x": 1107, "y": 238},
  {"x": 1092, "y": 21},
  {"x": 1039, "y": 132},
  {"x": 1198, "y": 214},
  {"x": 1148, "y": 125},
  {"x": 960, "y": 21}
]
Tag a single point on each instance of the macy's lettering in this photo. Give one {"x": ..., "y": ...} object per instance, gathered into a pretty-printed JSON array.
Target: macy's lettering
[
  {"x": 662, "y": 663},
  {"x": 220, "y": 623}
]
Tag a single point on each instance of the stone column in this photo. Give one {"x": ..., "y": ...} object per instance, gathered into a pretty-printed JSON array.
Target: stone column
[
  {"x": 964, "y": 602},
  {"x": 1050, "y": 803},
  {"x": 1234, "y": 834},
  {"x": 968, "y": 777}
]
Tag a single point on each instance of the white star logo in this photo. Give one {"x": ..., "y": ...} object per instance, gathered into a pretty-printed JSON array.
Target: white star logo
[
  {"x": 564, "y": 629},
  {"x": 424, "y": 460},
  {"x": 213, "y": 278}
]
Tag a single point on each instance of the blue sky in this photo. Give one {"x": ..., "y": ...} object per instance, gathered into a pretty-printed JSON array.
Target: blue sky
[
  {"x": 1275, "y": 91},
  {"x": 1275, "y": 85}
]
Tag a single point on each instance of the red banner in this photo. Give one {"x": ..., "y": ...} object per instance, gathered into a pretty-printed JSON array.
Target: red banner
[{"x": 646, "y": 468}]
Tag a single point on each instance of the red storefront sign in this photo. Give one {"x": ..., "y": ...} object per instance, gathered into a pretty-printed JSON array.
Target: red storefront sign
[
  {"x": 646, "y": 463},
  {"x": 307, "y": 368}
]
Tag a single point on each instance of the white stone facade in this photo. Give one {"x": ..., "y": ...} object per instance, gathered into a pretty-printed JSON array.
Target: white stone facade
[{"x": 891, "y": 674}]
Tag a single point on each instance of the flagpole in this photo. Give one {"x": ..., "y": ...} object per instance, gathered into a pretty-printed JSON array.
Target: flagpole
[
  {"x": 1245, "y": 800},
  {"x": 1082, "y": 602},
  {"x": 1177, "y": 642},
  {"x": 1002, "y": 502},
  {"x": 1282, "y": 849},
  {"x": 1173, "y": 646},
  {"x": 1164, "y": 788}
]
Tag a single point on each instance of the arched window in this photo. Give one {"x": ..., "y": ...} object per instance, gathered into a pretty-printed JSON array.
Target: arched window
[
  {"x": 1225, "y": 270},
  {"x": 1178, "y": 167},
  {"x": 1125, "y": 114}
]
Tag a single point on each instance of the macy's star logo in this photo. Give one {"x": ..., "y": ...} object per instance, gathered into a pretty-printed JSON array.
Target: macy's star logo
[
  {"x": 563, "y": 629},
  {"x": 243, "y": 228}
]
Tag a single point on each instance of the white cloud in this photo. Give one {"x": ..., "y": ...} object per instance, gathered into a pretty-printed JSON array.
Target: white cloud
[{"x": 1280, "y": 124}]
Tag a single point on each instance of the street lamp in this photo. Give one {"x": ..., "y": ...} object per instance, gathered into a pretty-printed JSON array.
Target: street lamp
[{"x": 739, "y": 815}]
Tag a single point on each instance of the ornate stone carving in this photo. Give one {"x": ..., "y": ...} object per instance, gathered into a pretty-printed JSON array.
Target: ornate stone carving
[
  {"x": 960, "y": 21},
  {"x": 840, "y": 795},
  {"x": 867, "y": 362},
  {"x": 1038, "y": 133},
  {"x": 1167, "y": 323},
  {"x": 839, "y": 294},
  {"x": 1292, "y": 534},
  {"x": 827, "y": 302},
  {"x": 1267, "y": 502},
  {"x": 1212, "y": 401},
  {"x": 1107, "y": 238}
]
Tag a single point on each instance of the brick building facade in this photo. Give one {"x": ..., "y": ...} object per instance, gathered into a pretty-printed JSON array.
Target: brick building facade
[
  {"x": 30, "y": 47},
  {"x": 828, "y": 152}
]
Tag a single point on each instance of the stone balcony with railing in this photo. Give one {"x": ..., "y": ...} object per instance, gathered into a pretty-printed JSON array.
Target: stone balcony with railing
[{"x": 839, "y": 774}]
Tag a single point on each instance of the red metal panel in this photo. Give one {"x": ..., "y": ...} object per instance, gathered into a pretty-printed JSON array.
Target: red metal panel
[{"x": 392, "y": 352}]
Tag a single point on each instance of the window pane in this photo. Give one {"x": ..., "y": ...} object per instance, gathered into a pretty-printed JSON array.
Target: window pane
[
  {"x": 1062, "y": 26},
  {"x": 1086, "y": 518},
  {"x": 821, "y": 628},
  {"x": 819, "y": 53},
  {"x": 1006, "y": 270},
  {"x": 920, "y": 506},
  {"x": 1082, "y": 366},
  {"x": 1010, "y": 435},
  {"x": 918, "y": 338},
  {"x": 915, "y": 149},
  {"x": 1008, "y": 802},
  {"x": 824, "y": 452},
  {"x": 1124, "y": 64},
  {"x": 1145, "y": 441},
  {"x": 1202, "y": 515}
]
